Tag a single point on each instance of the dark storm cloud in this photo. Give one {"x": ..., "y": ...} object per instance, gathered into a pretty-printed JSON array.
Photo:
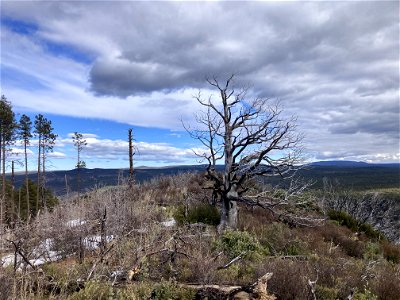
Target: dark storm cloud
[{"x": 167, "y": 47}]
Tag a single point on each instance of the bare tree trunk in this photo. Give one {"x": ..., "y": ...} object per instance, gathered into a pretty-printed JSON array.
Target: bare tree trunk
[
  {"x": 4, "y": 171},
  {"x": 233, "y": 215},
  {"x": 81, "y": 255},
  {"x": 19, "y": 204},
  {"x": 26, "y": 183},
  {"x": 230, "y": 206},
  {"x": 130, "y": 138},
  {"x": 103, "y": 235},
  {"x": 3, "y": 189},
  {"x": 2, "y": 198},
  {"x": 224, "y": 216},
  {"x": 78, "y": 179},
  {"x": 42, "y": 188},
  {"x": 38, "y": 178},
  {"x": 12, "y": 217}
]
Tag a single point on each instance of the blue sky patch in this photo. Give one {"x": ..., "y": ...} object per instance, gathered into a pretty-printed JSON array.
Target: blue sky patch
[
  {"x": 18, "y": 26},
  {"x": 11, "y": 77}
]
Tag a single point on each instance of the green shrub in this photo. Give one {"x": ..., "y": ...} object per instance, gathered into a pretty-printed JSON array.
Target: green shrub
[
  {"x": 171, "y": 291},
  {"x": 164, "y": 290},
  {"x": 198, "y": 213},
  {"x": 347, "y": 220},
  {"x": 234, "y": 243},
  {"x": 364, "y": 295},
  {"x": 180, "y": 215},
  {"x": 343, "y": 219},
  {"x": 326, "y": 293},
  {"x": 94, "y": 290},
  {"x": 370, "y": 232},
  {"x": 296, "y": 247},
  {"x": 372, "y": 251}
]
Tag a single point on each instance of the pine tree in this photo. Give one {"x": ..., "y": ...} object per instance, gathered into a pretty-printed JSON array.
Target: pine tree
[
  {"x": 30, "y": 188},
  {"x": 46, "y": 141},
  {"x": 7, "y": 130},
  {"x": 79, "y": 143},
  {"x": 25, "y": 133}
]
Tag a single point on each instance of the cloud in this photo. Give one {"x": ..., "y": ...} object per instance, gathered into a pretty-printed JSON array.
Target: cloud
[
  {"x": 333, "y": 64},
  {"x": 84, "y": 135},
  {"x": 106, "y": 149},
  {"x": 56, "y": 154}
]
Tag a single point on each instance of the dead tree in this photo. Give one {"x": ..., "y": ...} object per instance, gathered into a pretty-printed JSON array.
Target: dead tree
[
  {"x": 79, "y": 143},
  {"x": 131, "y": 154},
  {"x": 250, "y": 136}
]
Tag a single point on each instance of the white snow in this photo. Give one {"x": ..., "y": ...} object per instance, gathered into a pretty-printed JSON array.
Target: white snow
[
  {"x": 93, "y": 242},
  {"x": 75, "y": 223},
  {"x": 169, "y": 223}
]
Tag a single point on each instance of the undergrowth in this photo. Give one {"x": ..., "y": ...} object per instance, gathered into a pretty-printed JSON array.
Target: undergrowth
[{"x": 342, "y": 256}]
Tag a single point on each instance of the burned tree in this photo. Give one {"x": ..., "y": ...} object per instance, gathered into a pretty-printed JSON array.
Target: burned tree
[
  {"x": 250, "y": 137},
  {"x": 79, "y": 143},
  {"x": 131, "y": 154}
]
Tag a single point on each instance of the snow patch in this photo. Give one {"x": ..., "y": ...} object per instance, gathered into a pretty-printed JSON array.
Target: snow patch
[
  {"x": 169, "y": 223},
  {"x": 75, "y": 223}
]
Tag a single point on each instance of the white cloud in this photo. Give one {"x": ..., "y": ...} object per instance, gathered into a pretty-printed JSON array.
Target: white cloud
[
  {"x": 335, "y": 65},
  {"x": 56, "y": 154},
  {"x": 107, "y": 149}
]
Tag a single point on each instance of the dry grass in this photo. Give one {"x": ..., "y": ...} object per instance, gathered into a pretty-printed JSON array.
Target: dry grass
[{"x": 337, "y": 258}]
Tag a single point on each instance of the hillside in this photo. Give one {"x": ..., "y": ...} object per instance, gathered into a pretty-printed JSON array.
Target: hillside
[
  {"x": 349, "y": 175},
  {"x": 160, "y": 240}
]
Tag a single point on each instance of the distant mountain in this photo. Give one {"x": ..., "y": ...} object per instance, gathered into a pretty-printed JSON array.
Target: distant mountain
[
  {"x": 349, "y": 174},
  {"x": 350, "y": 163},
  {"x": 340, "y": 163}
]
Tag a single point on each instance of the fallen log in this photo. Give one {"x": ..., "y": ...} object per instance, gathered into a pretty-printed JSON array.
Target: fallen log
[{"x": 255, "y": 291}]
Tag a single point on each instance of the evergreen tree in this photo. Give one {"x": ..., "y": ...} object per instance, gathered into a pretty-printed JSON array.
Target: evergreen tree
[
  {"x": 30, "y": 188},
  {"x": 25, "y": 133},
  {"x": 7, "y": 130},
  {"x": 46, "y": 141},
  {"x": 79, "y": 143}
]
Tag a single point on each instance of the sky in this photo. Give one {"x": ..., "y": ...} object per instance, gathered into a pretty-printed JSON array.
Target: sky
[{"x": 101, "y": 67}]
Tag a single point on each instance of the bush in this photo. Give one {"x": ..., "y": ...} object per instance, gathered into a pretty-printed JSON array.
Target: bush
[
  {"x": 171, "y": 291},
  {"x": 326, "y": 293},
  {"x": 234, "y": 243},
  {"x": 161, "y": 291},
  {"x": 372, "y": 251},
  {"x": 5, "y": 284},
  {"x": 345, "y": 219},
  {"x": 199, "y": 213},
  {"x": 94, "y": 290},
  {"x": 391, "y": 252},
  {"x": 364, "y": 295}
]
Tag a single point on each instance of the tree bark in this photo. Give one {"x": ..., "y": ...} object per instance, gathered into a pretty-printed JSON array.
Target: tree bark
[
  {"x": 26, "y": 181},
  {"x": 12, "y": 216},
  {"x": 2, "y": 195},
  {"x": 42, "y": 188},
  {"x": 38, "y": 178},
  {"x": 233, "y": 207},
  {"x": 130, "y": 138},
  {"x": 4, "y": 170}
]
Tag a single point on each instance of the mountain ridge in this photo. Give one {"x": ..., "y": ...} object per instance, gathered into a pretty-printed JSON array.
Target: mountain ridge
[{"x": 349, "y": 174}]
